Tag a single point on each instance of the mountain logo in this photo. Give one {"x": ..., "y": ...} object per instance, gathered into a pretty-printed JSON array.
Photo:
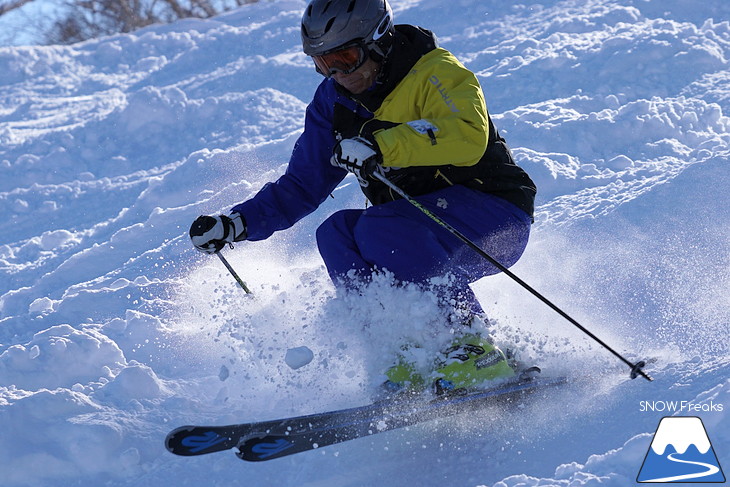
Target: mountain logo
[{"x": 680, "y": 452}]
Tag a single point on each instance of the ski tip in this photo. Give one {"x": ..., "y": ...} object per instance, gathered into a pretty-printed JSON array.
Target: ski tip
[
  {"x": 257, "y": 448},
  {"x": 197, "y": 440},
  {"x": 173, "y": 438}
]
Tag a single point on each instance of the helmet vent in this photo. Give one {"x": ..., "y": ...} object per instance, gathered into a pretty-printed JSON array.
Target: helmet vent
[
  {"x": 351, "y": 7},
  {"x": 329, "y": 24}
]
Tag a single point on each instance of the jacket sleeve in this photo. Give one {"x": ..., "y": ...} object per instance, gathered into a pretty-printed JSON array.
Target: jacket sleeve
[
  {"x": 441, "y": 114},
  {"x": 308, "y": 180}
]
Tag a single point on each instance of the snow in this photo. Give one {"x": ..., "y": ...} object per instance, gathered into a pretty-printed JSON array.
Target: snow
[
  {"x": 680, "y": 433},
  {"x": 113, "y": 330},
  {"x": 298, "y": 357}
]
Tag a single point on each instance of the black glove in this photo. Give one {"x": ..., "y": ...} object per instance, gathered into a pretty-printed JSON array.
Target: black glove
[
  {"x": 211, "y": 233},
  {"x": 358, "y": 155}
]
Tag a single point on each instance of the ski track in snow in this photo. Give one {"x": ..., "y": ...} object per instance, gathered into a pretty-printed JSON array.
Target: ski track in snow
[{"x": 113, "y": 330}]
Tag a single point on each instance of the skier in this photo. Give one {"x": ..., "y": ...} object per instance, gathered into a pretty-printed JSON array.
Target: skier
[{"x": 393, "y": 102}]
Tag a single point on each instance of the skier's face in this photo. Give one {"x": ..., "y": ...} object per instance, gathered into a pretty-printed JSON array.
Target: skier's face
[{"x": 359, "y": 80}]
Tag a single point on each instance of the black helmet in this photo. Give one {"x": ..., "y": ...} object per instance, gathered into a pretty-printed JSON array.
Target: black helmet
[{"x": 330, "y": 24}]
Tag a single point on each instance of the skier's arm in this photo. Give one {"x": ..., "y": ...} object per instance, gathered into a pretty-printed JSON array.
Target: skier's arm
[
  {"x": 307, "y": 182},
  {"x": 441, "y": 116}
]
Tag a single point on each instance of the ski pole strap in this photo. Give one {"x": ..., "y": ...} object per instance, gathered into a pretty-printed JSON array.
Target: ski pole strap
[{"x": 636, "y": 369}]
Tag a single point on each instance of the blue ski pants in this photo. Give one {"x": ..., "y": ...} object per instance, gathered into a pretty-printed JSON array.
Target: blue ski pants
[{"x": 400, "y": 238}]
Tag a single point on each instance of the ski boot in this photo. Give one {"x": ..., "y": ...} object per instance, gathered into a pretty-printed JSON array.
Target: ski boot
[
  {"x": 403, "y": 378},
  {"x": 405, "y": 375},
  {"x": 468, "y": 363}
]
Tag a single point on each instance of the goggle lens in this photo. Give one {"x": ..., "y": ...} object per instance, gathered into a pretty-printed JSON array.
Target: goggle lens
[{"x": 343, "y": 61}]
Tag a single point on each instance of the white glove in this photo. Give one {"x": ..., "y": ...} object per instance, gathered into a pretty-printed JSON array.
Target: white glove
[
  {"x": 357, "y": 155},
  {"x": 211, "y": 233}
]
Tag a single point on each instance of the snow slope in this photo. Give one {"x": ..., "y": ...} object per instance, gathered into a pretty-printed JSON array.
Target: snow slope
[{"x": 113, "y": 330}]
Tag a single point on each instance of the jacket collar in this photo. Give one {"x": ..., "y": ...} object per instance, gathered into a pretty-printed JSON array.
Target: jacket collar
[{"x": 410, "y": 43}]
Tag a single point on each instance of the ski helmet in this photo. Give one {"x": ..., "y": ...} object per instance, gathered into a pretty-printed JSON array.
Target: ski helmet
[{"x": 331, "y": 24}]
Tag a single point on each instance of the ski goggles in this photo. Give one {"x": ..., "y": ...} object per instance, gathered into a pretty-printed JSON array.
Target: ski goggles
[{"x": 345, "y": 60}]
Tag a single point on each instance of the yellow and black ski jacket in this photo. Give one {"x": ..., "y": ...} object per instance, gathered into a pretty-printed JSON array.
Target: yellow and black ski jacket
[
  {"x": 427, "y": 114},
  {"x": 430, "y": 122}
]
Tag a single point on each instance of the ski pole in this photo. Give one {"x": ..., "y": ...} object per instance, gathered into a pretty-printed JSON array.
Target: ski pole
[
  {"x": 636, "y": 368},
  {"x": 233, "y": 272}
]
